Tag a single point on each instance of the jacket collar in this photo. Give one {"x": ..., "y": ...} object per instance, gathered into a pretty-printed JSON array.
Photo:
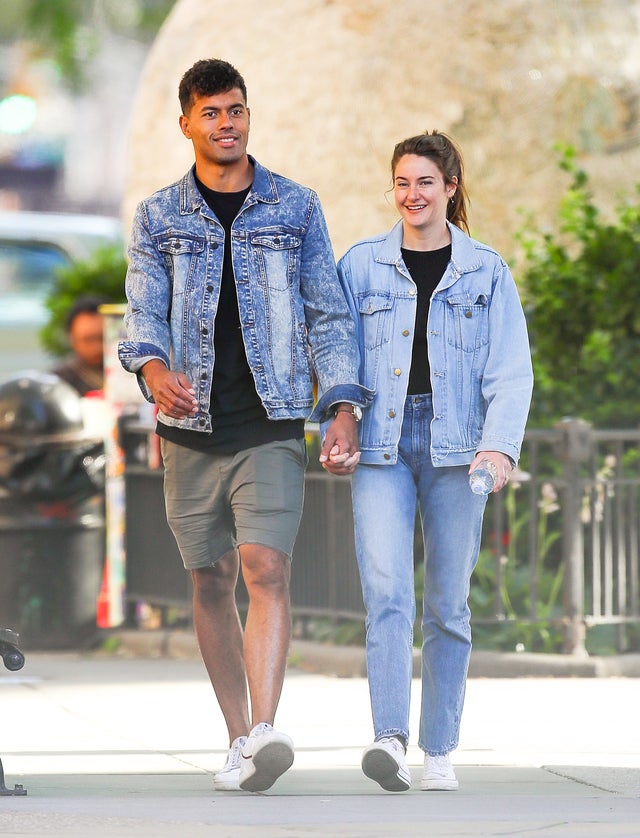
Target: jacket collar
[
  {"x": 263, "y": 189},
  {"x": 464, "y": 255}
]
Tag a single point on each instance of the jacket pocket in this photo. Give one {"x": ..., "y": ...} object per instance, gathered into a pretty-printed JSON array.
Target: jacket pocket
[
  {"x": 467, "y": 322},
  {"x": 277, "y": 254},
  {"x": 374, "y": 311},
  {"x": 180, "y": 253}
]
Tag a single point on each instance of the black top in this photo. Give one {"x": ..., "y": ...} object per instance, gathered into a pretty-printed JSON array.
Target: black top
[
  {"x": 80, "y": 376},
  {"x": 238, "y": 417},
  {"x": 426, "y": 268}
]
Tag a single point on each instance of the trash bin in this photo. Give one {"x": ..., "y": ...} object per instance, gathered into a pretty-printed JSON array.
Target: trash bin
[{"x": 52, "y": 524}]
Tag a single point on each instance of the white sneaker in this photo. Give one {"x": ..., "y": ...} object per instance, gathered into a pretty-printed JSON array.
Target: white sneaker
[
  {"x": 438, "y": 774},
  {"x": 385, "y": 762},
  {"x": 265, "y": 756},
  {"x": 229, "y": 778}
]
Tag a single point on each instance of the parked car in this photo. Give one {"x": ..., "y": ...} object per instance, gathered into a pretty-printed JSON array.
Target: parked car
[{"x": 33, "y": 245}]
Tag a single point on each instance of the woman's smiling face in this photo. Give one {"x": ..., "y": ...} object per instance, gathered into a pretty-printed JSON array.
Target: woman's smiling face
[{"x": 420, "y": 192}]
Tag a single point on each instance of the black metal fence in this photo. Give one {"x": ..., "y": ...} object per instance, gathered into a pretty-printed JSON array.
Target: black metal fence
[
  {"x": 560, "y": 545},
  {"x": 571, "y": 520}
]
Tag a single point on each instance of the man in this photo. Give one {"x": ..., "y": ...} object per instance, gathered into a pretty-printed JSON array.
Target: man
[
  {"x": 231, "y": 282},
  {"x": 84, "y": 370}
]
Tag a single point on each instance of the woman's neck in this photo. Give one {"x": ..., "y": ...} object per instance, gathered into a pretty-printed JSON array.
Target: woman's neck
[{"x": 415, "y": 239}]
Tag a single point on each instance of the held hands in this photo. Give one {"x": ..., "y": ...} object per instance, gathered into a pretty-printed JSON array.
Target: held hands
[
  {"x": 172, "y": 391},
  {"x": 500, "y": 461},
  {"x": 341, "y": 452}
]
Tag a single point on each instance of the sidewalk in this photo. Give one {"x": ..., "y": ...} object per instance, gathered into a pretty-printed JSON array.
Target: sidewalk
[{"x": 108, "y": 745}]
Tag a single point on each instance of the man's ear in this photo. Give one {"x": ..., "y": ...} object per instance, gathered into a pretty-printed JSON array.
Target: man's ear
[{"x": 184, "y": 126}]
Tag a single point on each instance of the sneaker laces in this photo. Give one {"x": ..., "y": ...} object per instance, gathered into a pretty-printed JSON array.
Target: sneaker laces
[
  {"x": 395, "y": 743},
  {"x": 440, "y": 765},
  {"x": 235, "y": 752},
  {"x": 262, "y": 727}
]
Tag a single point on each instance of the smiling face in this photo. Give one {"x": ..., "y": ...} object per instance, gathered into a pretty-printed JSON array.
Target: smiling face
[
  {"x": 421, "y": 195},
  {"x": 218, "y": 127}
]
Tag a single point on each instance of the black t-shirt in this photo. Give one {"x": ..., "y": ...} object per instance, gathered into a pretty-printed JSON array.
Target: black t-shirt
[
  {"x": 426, "y": 268},
  {"x": 238, "y": 416}
]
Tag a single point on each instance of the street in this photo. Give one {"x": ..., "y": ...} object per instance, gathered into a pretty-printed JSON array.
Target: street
[{"x": 109, "y": 746}]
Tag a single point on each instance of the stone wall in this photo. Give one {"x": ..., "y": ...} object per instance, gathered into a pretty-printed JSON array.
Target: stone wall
[{"x": 334, "y": 84}]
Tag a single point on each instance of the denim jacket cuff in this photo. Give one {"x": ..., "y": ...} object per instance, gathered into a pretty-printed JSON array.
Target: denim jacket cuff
[
  {"x": 133, "y": 356},
  {"x": 352, "y": 393}
]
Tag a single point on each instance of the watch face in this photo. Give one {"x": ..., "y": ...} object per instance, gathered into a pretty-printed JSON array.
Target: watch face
[{"x": 357, "y": 412}]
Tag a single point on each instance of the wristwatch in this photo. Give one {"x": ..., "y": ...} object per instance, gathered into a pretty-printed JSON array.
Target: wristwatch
[{"x": 354, "y": 409}]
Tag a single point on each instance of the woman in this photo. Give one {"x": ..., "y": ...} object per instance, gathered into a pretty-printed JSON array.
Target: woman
[{"x": 444, "y": 345}]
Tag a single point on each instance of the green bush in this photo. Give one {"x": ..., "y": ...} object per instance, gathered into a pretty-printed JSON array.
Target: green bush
[
  {"x": 101, "y": 276},
  {"x": 580, "y": 292}
]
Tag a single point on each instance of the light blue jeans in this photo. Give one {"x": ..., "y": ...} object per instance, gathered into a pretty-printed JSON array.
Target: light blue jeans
[{"x": 384, "y": 506}]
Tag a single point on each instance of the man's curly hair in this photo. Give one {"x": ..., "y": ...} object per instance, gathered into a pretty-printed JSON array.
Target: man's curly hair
[{"x": 206, "y": 78}]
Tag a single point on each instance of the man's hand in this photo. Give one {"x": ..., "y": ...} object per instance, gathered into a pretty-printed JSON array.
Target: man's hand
[
  {"x": 500, "y": 461},
  {"x": 341, "y": 451},
  {"x": 172, "y": 391}
]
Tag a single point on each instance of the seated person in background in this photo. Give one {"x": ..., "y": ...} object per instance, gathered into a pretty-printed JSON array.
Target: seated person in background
[{"x": 84, "y": 369}]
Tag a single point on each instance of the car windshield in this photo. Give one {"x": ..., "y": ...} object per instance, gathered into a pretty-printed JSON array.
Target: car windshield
[{"x": 27, "y": 271}]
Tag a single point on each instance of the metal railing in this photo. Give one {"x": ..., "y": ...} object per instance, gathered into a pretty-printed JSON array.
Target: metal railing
[
  {"x": 581, "y": 486},
  {"x": 566, "y": 528}
]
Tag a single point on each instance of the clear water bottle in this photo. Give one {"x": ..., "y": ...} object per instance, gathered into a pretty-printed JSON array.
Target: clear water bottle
[{"x": 483, "y": 478}]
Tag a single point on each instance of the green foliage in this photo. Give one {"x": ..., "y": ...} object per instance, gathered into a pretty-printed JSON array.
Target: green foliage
[
  {"x": 70, "y": 31},
  {"x": 580, "y": 289},
  {"x": 101, "y": 276}
]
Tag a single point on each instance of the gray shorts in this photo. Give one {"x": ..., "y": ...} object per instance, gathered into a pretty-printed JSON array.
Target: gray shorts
[{"x": 216, "y": 502}]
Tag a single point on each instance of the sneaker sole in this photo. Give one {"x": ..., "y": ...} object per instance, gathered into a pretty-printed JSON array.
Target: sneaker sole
[
  {"x": 382, "y": 767},
  {"x": 230, "y": 782},
  {"x": 439, "y": 785},
  {"x": 269, "y": 763}
]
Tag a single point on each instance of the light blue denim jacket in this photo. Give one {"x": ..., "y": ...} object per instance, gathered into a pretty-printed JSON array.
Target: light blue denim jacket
[
  {"x": 291, "y": 305},
  {"x": 478, "y": 349}
]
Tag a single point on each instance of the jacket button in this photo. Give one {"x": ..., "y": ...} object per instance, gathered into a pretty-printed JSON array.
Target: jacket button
[
  {"x": 202, "y": 422},
  {"x": 205, "y": 331},
  {"x": 392, "y": 414},
  {"x": 397, "y": 372},
  {"x": 467, "y": 313},
  {"x": 203, "y": 376},
  {"x": 412, "y": 292},
  {"x": 214, "y": 245},
  {"x": 405, "y": 332},
  {"x": 387, "y": 456},
  {"x": 209, "y": 289}
]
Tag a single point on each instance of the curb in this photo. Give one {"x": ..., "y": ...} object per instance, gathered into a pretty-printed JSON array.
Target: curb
[{"x": 350, "y": 661}]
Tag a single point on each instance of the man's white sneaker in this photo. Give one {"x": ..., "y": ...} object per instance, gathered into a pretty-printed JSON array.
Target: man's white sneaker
[
  {"x": 228, "y": 779},
  {"x": 385, "y": 762},
  {"x": 265, "y": 756},
  {"x": 438, "y": 774}
]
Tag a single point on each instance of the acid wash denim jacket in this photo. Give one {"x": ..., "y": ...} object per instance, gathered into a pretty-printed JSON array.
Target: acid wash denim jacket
[
  {"x": 292, "y": 308},
  {"x": 481, "y": 374}
]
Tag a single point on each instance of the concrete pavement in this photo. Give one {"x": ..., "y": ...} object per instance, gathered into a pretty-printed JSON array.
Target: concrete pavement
[{"x": 126, "y": 746}]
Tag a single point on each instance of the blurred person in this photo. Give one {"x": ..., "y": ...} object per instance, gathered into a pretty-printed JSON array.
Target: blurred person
[
  {"x": 443, "y": 343},
  {"x": 84, "y": 370},
  {"x": 232, "y": 293}
]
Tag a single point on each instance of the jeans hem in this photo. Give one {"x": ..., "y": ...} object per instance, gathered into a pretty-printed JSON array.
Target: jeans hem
[{"x": 393, "y": 731}]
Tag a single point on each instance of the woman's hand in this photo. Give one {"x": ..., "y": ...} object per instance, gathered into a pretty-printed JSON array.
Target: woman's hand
[{"x": 500, "y": 461}]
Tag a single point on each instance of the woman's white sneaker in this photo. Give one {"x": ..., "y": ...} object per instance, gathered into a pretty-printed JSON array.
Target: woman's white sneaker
[
  {"x": 228, "y": 779},
  {"x": 438, "y": 774},
  {"x": 384, "y": 761}
]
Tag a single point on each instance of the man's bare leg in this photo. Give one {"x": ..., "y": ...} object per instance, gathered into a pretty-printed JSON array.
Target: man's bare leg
[
  {"x": 268, "y": 627},
  {"x": 219, "y": 634}
]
